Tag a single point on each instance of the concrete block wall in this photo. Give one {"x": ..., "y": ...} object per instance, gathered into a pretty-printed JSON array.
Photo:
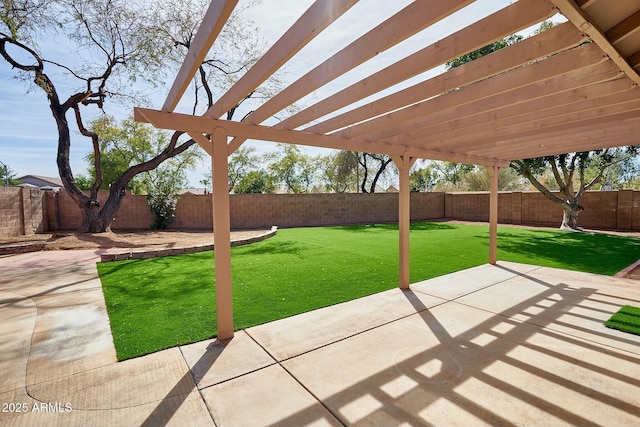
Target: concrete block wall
[
  {"x": 25, "y": 211},
  {"x": 21, "y": 211}
]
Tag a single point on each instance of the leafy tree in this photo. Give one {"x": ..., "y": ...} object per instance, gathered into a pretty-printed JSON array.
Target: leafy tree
[
  {"x": 255, "y": 182},
  {"x": 568, "y": 168},
  {"x": 122, "y": 145},
  {"x": 478, "y": 180},
  {"x": 163, "y": 192},
  {"x": 8, "y": 175},
  {"x": 451, "y": 172},
  {"x": 424, "y": 179},
  {"x": 486, "y": 50},
  {"x": 340, "y": 171},
  {"x": 293, "y": 169},
  {"x": 117, "y": 45},
  {"x": 241, "y": 162}
]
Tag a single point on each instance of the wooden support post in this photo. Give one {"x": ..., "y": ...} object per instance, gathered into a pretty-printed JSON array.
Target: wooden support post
[
  {"x": 222, "y": 233},
  {"x": 494, "y": 171},
  {"x": 404, "y": 163}
]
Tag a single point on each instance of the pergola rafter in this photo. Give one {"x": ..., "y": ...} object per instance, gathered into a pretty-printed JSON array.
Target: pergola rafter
[{"x": 571, "y": 88}]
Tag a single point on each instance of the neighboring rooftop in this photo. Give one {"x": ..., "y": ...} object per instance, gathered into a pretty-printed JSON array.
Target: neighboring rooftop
[{"x": 44, "y": 182}]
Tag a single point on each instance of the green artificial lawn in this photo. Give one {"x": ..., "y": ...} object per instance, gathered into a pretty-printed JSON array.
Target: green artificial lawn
[
  {"x": 627, "y": 319},
  {"x": 163, "y": 302}
]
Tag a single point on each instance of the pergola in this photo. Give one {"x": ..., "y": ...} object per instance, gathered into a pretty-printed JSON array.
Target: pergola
[{"x": 571, "y": 88}]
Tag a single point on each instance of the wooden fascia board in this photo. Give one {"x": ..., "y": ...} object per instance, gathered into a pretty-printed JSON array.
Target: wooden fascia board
[
  {"x": 317, "y": 18},
  {"x": 574, "y": 14},
  {"x": 476, "y": 71},
  {"x": 212, "y": 23},
  {"x": 195, "y": 125},
  {"x": 502, "y": 23},
  {"x": 493, "y": 107},
  {"x": 407, "y": 22}
]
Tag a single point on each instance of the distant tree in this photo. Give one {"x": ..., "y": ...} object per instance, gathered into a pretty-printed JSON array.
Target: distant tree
[
  {"x": 569, "y": 168},
  {"x": 373, "y": 167},
  {"x": 478, "y": 180},
  {"x": 84, "y": 182},
  {"x": 293, "y": 169},
  {"x": 423, "y": 179},
  {"x": 451, "y": 172},
  {"x": 241, "y": 162},
  {"x": 486, "y": 50},
  {"x": 340, "y": 171},
  {"x": 8, "y": 175},
  {"x": 255, "y": 182}
]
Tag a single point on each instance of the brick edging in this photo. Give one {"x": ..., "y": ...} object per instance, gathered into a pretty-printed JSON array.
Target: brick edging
[
  {"x": 156, "y": 253},
  {"x": 624, "y": 273}
]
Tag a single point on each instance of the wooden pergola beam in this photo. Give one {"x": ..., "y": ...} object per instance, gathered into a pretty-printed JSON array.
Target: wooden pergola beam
[
  {"x": 407, "y": 22},
  {"x": 196, "y": 124},
  {"x": 214, "y": 19},
  {"x": 540, "y": 125},
  {"x": 581, "y": 77},
  {"x": 620, "y": 130},
  {"x": 472, "y": 72},
  {"x": 318, "y": 17},
  {"x": 502, "y": 23},
  {"x": 471, "y": 117}
]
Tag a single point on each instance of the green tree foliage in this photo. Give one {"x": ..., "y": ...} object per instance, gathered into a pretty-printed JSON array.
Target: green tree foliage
[
  {"x": 255, "y": 182},
  {"x": 8, "y": 175},
  {"x": 478, "y": 180},
  {"x": 340, "y": 172},
  {"x": 163, "y": 186},
  {"x": 293, "y": 170},
  {"x": 486, "y": 50},
  {"x": 423, "y": 179}
]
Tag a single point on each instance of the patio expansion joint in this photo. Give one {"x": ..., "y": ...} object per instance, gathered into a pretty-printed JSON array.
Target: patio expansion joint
[
  {"x": 311, "y": 393},
  {"x": 204, "y": 402},
  {"x": 465, "y": 294}
]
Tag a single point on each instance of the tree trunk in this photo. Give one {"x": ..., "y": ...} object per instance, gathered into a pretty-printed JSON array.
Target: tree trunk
[{"x": 570, "y": 217}]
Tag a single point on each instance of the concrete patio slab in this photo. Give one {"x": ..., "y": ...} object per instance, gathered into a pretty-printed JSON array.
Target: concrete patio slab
[
  {"x": 71, "y": 335},
  {"x": 214, "y": 361},
  {"x": 296, "y": 335},
  {"x": 456, "y": 284},
  {"x": 17, "y": 317},
  {"x": 510, "y": 344},
  {"x": 268, "y": 397},
  {"x": 568, "y": 303},
  {"x": 173, "y": 411},
  {"x": 457, "y": 365}
]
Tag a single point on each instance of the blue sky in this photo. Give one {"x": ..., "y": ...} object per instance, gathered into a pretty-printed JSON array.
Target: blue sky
[{"x": 28, "y": 140}]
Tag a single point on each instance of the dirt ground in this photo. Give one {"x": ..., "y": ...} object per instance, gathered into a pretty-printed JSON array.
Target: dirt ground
[{"x": 166, "y": 239}]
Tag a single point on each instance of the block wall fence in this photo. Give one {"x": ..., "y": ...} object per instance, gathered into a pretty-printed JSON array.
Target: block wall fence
[{"x": 25, "y": 211}]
